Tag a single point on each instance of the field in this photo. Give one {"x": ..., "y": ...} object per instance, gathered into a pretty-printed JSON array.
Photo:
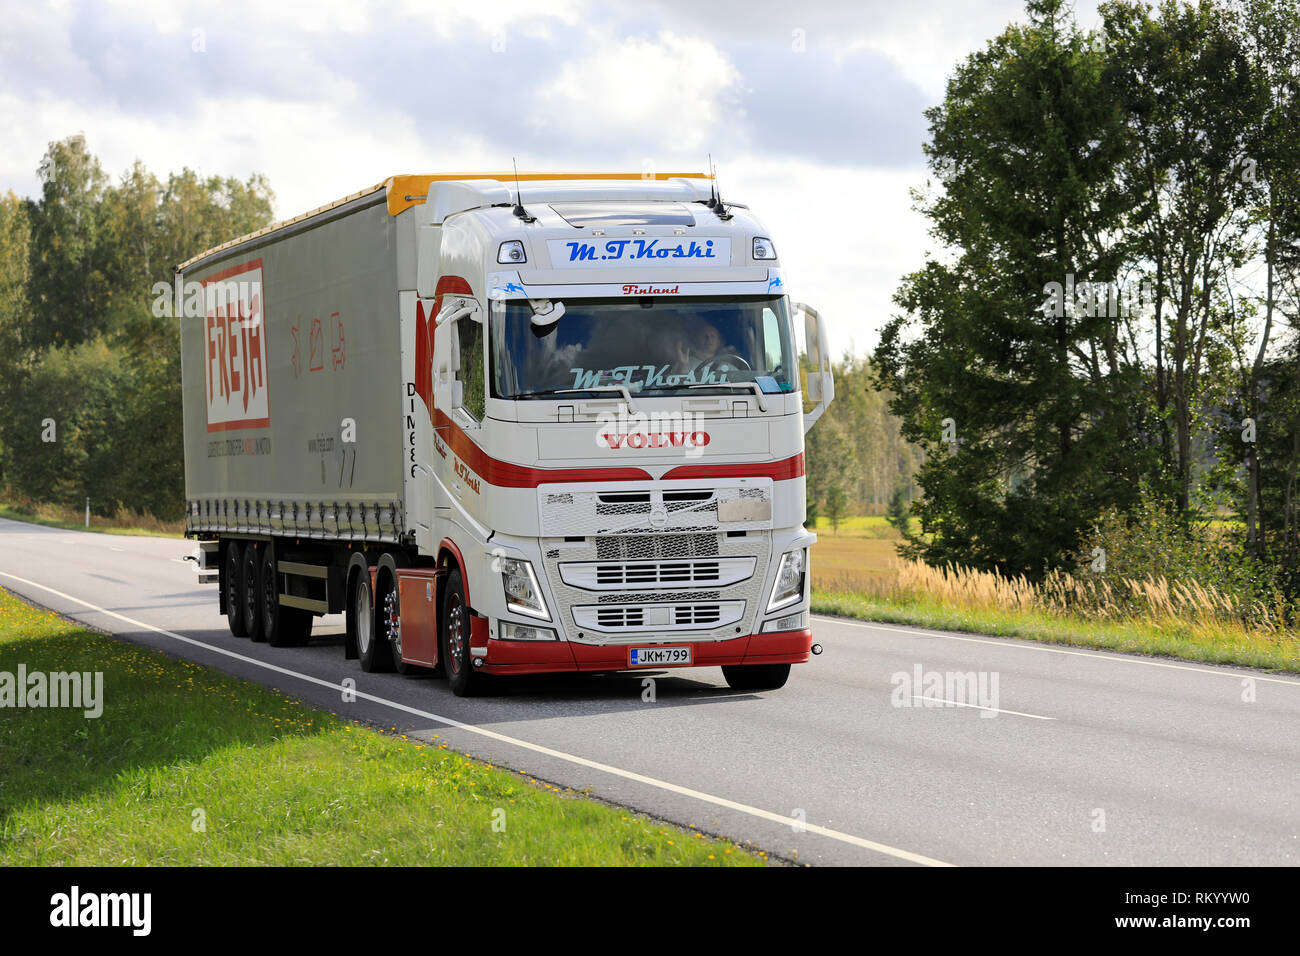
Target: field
[
  {"x": 857, "y": 573},
  {"x": 188, "y": 767}
]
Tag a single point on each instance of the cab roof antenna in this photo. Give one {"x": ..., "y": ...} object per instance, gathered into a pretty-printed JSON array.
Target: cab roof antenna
[
  {"x": 519, "y": 210},
  {"x": 715, "y": 202}
]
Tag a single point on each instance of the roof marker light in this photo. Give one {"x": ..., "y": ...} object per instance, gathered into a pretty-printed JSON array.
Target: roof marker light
[
  {"x": 512, "y": 251},
  {"x": 763, "y": 248}
]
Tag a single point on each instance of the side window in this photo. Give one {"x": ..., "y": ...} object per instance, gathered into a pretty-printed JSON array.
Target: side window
[
  {"x": 771, "y": 340},
  {"x": 469, "y": 366}
]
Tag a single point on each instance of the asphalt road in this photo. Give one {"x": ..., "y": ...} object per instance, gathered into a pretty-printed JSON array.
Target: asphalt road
[{"x": 1080, "y": 758}]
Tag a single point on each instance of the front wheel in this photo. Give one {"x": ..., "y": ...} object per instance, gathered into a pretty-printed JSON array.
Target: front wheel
[
  {"x": 756, "y": 676},
  {"x": 455, "y": 639}
]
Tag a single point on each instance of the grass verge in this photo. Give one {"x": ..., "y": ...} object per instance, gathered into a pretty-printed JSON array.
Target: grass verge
[
  {"x": 189, "y": 767},
  {"x": 1168, "y": 638},
  {"x": 126, "y": 522}
]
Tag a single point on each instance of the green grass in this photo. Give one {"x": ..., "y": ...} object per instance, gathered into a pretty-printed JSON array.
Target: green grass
[
  {"x": 272, "y": 781},
  {"x": 1168, "y": 639},
  {"x": 56, "y": 517}
]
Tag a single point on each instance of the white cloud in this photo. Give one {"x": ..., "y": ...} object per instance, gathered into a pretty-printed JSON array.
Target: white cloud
[
  {"x": 673, "y": 83},
  {"x": 845, "y": 237}
]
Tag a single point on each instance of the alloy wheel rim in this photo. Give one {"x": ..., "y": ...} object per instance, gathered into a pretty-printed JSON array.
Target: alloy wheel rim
[
  {"x": 394, "y": 621},
  {"x": 363, "y": 616},
  {"x": 455, "y": 633}
]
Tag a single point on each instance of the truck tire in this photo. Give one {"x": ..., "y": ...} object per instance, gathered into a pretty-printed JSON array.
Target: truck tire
[
  {"x": 232, "y": 584},
  {"x": 282, "y": 626},
  {"x": 374, "y": 654},
  {"x": 756, "y": 676},
  {"x": 455, "y": 630},
  {"x": 250, "y": 590},
  {"x": 388, "y": 620}
]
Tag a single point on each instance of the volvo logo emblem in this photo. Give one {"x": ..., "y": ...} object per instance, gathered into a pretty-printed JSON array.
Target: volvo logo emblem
[{"x": 659, "y": 517}]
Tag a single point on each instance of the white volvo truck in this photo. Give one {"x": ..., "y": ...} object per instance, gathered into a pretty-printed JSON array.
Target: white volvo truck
[{"x": 507, "y": 426}]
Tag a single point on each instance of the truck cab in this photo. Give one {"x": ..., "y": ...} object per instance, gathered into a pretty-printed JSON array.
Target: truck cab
[{"x": 605, "y": 424}]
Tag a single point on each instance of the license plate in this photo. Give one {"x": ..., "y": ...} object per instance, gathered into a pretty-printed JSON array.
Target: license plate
[{"x": 658, "y": 656}]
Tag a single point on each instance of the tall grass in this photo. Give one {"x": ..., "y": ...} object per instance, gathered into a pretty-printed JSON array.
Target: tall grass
[{"x": 1153, "y": 599}]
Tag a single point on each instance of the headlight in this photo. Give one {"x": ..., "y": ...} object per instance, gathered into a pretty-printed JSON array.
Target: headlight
[
  {"x": 511, "y": 251},
  {"x": 523, "y": 596},
  {"x": 525, "y": 632},
  {"x": 789, "y": 580},
  {"x": 763, "y": 248}
]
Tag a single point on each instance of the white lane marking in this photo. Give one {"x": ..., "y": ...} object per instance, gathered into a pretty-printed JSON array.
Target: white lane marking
[
  {"x": 957, "y": 703},
  {"x": 1016, "y": 644},
  {"x": 117, "y": 549},
  {"x": 514, "y": 741}
]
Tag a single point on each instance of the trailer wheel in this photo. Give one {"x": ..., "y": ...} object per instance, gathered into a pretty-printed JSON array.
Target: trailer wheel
[
  {"x": 455, "y": 639},
  {"x": 251, "y": 590},
  {"x": 374, "y": 654},
  {"x": 756, "y": 676},
  {"x": 282, "y": 626},
  {"x": 232, "y": 583}
]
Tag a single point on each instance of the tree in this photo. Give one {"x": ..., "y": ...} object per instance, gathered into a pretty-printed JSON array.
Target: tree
[
  {"x": 1019, "y": 391},
  {"x": 836, "y": 505},
  {"x": 899, "y": 513},
  {"x": 15, "y": 236},
  {"x": 79, "y": 343},
  {"x": 68, "y": 289},
  {"x": 1192, "y": 103}
]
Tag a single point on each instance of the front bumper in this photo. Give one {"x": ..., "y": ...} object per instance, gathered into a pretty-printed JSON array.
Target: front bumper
[{"x": 549, "y": 657}]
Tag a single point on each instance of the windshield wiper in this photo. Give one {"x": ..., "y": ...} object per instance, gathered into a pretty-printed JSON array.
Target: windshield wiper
[
  {"x": 748, "y": 386},
  {"x": 621, "y": 389}
]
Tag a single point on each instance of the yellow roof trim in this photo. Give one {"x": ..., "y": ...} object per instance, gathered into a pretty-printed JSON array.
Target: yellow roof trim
[{"x": 407, "y": 191}]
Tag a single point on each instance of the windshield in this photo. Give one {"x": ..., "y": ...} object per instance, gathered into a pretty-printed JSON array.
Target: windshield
[{"x": 655, "y": 346}]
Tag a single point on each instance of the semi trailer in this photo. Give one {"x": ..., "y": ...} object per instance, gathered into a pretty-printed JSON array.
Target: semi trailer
[{"x": 507, "y": 424}]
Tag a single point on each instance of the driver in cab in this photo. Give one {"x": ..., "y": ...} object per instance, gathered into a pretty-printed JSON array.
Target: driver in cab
[{"x": 693, "y": 346}]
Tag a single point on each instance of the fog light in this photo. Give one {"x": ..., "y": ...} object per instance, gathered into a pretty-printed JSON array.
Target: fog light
[
  {"x": 524, "y": 632},
  {"x": 791, "y": 622}
]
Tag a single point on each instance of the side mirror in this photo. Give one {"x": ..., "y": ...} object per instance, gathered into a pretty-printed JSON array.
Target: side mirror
[
  {"x": 821, "y": 383},
  {"x": 545, "y": 312}
]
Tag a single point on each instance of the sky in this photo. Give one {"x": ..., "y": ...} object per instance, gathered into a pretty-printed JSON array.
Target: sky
[{"x": 812, "y": 112}]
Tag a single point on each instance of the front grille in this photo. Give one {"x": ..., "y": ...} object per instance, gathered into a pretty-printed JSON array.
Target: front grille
[
  {"x": 631, "y": 562},
  {"x": 636, "y": 547},
  {"x": 619, "y": 617},
  {"x": 622, "y": 575},
  {"x": 694, "y": 616}
]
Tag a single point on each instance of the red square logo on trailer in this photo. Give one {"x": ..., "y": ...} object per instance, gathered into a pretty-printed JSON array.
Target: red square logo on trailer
[{"x": 234, "y": 327}]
